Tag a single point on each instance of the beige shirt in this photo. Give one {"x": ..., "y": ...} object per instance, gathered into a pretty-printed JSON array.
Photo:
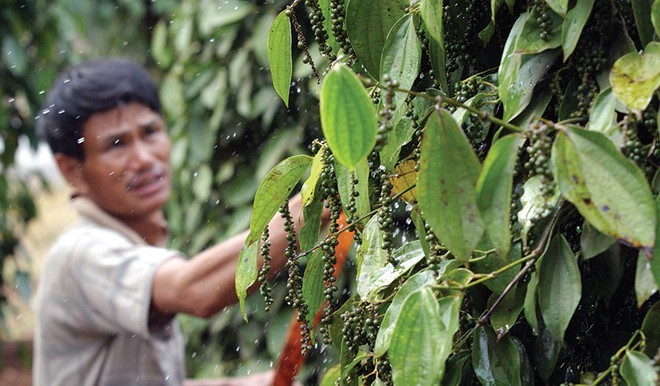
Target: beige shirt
[{"x": 92, "y": 309}]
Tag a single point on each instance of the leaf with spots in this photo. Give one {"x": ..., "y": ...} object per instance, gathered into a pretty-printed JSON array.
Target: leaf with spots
[
  {"x": 635, "y": 77},
  {"x": 608, "y": 190}
]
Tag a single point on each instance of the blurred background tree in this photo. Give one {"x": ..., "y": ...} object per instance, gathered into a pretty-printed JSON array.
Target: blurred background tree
[{"x": 227, "y": 124}]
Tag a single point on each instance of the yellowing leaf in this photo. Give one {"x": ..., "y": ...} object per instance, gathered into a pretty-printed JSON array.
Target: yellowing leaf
[
  {"x": 635, "y": 77},
  {"x": 404, "y": 179}
]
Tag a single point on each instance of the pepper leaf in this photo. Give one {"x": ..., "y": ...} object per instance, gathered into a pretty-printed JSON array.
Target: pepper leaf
[
  {"x": 448, "y": 173},
  {"x": 279, "y": 55},
  {"x": 348, "y": 117},
  {"x": 609, "y": 190}
]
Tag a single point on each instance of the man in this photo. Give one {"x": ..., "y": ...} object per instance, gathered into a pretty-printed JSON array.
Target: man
[{"x": 110, "y": 289}]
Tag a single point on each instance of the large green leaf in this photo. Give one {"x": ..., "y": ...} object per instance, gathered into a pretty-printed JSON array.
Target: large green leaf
[
  {"x": 313, "y": 284},
  {"x": 448, "y": 173},
  {"x": 506, "y": 314},
  {"x": 348, "y": 117},
  {"x": 402, "y": 55},
  {"x": 273, "y": 192},
  {"x": 529, "y": 308},
  {"x": 639, "y": 369},
  {"x": 494, "y": 188},
  {"x": 431, "y": 12},
  {"x": 279, "y": 55},
  {"x": 495, "y": 362},
  {"x": 560, "y": 286},
  {"x": 642, "y": 13},
  {"x": 651, "y": 330},
  {"x": 519, "y": 73},
  {"x": 609, "y": 190},
  {"x": 367, "y": 25},
  {"x": 422, "y": 338},
  {"x": 413, "y": 284},
  {"x": 635, "y": 77},
  {"x": 572, "y": 27}
]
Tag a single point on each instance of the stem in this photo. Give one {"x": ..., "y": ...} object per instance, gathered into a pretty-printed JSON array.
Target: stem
[
  {"x": 533, "y": 256},
  {"x": 608, "y": 371},
  {"x": 505, "y": 268}
]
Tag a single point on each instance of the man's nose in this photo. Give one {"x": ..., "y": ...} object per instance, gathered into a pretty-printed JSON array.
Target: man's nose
[{"x": 142, "y": 155}]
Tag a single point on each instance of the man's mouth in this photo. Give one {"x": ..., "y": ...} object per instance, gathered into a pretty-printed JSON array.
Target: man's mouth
[{"x": 147, "y": 183}]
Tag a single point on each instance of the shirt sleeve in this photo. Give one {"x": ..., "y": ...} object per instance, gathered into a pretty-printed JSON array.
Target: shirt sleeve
[{"x": 114, "y": 279}]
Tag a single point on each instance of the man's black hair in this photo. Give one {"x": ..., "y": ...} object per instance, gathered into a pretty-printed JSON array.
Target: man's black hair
[{"x": 88, "y": 88}]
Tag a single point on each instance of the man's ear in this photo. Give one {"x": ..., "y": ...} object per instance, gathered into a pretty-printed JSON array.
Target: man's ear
[{"x": 71, "y": 169}]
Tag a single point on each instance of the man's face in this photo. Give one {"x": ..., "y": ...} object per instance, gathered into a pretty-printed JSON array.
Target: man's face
[{"x": 126, "y": 168}]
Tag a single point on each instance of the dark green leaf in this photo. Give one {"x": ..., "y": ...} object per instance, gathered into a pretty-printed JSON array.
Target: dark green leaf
[
  {"x": 546, "y": 353},
  {"x": 367, "y": 24},
  {"x": 593, "y": 242},
  {"x": 638, "y": 369},
  {"x": 448, "y": 173},
  {"x": 506, "y": 314},
  {"x": 313, "y": 284},
  {"x": 572, "y": 27},
  {"x": 494, "y": 188},
  {"x": 635, "y": 77},
  {"x": 560, "y": 286},
  {"x": 279, "y": 55},
  {"x": 609, "y": 190},
  {"x": 14, "y": 56},
  {"x": 655, "y": 16},
  {"x": 495, "y": 362},
  {"x": 651, "y": 330},
  {"x": 518, "y": 73},
  {"x": 348, "y": 117},
  {"x": 431, "y": 12},
  {"x": 642, "y": 13}
]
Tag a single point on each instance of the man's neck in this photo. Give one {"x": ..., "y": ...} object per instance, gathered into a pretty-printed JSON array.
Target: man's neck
[{"x": 152, "y": 228}]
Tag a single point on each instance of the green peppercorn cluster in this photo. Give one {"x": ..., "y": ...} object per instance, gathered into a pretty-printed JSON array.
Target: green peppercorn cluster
[
  {"x": 337, "y": 17},
  {"x": 386, "y": 218},
  {"x": 294, "y": 296},
  {"x": 386, "y": 112},
  {"x": 538, "y": 151},
  {"x": 265, "y": 288},
  {"x": 361, "y": 324},
  {"x": 436, "y": 249},
  {"x": 541, "y": 14},
  {"x": 329, "y": 191},
  {"x": 316, "y": 19}
]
